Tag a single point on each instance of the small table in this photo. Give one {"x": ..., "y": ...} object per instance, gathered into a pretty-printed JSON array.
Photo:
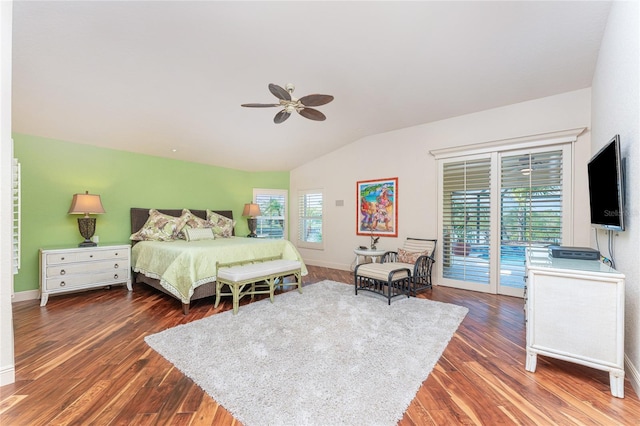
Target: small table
[{"x": 373, "y": 253}]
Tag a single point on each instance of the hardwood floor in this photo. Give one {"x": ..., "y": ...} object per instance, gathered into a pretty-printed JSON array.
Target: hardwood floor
[{"x": 82, "y": 360}]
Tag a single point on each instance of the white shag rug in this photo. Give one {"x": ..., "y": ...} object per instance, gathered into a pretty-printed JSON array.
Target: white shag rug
[{"x": 324, "y": 357}]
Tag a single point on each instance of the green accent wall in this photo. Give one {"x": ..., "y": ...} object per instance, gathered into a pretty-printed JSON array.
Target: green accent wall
[{"x": 54, "y": 170}]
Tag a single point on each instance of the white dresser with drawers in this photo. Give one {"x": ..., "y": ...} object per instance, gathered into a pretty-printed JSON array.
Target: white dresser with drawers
[
  {"x": 80, "y": 268},
  {"x": 575, "y": 312}
]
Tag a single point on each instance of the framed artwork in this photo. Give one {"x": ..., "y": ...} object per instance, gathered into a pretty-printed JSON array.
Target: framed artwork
[{"x": 377, "y": 213}]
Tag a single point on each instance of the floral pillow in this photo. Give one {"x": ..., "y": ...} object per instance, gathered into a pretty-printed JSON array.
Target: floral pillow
[
  {"x": 191, "y": 221},
  {"x": 411, "y": 257},
  {"x": 159, "y": 227},
  {"x": 222, "y": 226}
]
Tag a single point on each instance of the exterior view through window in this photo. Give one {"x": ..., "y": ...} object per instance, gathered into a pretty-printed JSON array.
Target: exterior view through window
[
  {"x": 273, "y": 206},
  {"x": 496, "y": 205},
  {"x": 310, "y": 208}
]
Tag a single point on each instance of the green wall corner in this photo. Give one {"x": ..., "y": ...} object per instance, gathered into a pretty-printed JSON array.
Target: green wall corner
[{"x": 54, "y": 170}]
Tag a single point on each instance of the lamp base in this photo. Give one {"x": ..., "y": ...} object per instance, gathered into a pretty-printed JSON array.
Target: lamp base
[
  {"x": 88, "y": 243},
  {"x": 87, "y": 226},
  {"x": 252, "y": 223}
]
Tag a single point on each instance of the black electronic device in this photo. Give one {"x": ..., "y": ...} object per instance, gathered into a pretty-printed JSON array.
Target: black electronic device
[
  {"x": 606, "y": 187},
  {"x": 362, "y": 248},
  {"x": 581, "y": 253}
]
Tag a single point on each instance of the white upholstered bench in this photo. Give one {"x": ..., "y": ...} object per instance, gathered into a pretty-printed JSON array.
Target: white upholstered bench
[{"x": 259, "y": 276}]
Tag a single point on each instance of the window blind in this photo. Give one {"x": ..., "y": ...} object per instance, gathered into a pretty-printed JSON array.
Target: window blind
[
  {"x": 530, "y": 208},
  {"x": 15, "y": 189},
  {"x": 466, "y": 219},
  {"x": 273, "y": 206},
  {"x": 310, "y": 211}
]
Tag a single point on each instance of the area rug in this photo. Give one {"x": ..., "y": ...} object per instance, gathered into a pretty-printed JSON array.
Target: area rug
[{"x": 324, "y": 357}]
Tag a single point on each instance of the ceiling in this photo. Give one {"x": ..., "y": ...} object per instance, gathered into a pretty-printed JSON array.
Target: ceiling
[{"x": 167, "y": 78}]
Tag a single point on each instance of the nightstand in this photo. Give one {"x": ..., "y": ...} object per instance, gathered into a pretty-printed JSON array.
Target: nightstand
[{"x": 80, "y": 268}]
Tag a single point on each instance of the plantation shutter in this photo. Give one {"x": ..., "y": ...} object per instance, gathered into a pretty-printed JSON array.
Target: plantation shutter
[
  {"x": 310, "y": 216},
  {"x": 530, "y": 208},
  {"x": 16, "y": 202},
  {"x": 273, "y": 206},
  {"x": 466, "y": 201}
]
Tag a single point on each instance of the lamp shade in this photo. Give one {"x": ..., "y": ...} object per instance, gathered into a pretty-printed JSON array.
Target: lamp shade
[
  {"x": 86, "y": 204},
  {"x": 251, "y": 210}
]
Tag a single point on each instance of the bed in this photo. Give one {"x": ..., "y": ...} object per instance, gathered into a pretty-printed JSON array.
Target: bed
[{"x": 186, "y": 270}]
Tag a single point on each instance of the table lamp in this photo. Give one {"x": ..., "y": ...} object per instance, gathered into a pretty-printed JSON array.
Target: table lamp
[
  {"x": 86, "y": 204},
  {"x": 251, "y": 211}
]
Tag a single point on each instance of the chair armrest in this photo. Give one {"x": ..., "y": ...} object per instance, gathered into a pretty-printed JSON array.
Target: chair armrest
[{"x": 423, "y": 266}]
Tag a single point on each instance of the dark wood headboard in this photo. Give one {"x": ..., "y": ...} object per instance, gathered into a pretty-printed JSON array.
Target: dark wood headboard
[{"x": 139, "y": 215}]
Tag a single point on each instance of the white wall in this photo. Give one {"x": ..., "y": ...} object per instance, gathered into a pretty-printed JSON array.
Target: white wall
[
  {"x": 405, "y": 154},
  {"x": 7, "y": 368},
  {"x": 616, "y": 110}
]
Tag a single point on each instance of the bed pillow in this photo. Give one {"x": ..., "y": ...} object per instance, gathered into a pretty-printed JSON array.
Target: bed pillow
[
  {"x": 222, "y": 226},
  {"x": 411, "y": 257},
  {"x": 197, "y": 234},
  {"x": 159, "y": 227},
  {"x": 191, "y": 221}
]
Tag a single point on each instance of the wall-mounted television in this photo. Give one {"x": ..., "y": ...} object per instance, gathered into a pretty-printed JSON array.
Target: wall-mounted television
[{"x": 606, "y": 187}]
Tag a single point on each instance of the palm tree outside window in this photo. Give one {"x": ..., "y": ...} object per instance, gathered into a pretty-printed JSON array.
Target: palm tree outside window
[{"x": 273, "y": 205}]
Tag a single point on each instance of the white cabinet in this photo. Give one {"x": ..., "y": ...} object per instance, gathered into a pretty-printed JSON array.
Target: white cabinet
[
  {"x": 73, "y": 269},
  {"x": 575, "y": 312}
]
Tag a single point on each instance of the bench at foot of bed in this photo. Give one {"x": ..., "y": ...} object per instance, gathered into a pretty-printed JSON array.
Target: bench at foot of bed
[{"x": 259, "y": 276}]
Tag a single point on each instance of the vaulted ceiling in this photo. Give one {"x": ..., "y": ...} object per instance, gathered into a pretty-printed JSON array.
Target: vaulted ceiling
[{"x": 168, "y": 78}]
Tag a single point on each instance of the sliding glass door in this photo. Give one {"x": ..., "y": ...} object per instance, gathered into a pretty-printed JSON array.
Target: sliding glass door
[
  {"x": 466, "y": 222},
  {"x": 532, "y": 191},
  {"x": 495, "y": 205}
]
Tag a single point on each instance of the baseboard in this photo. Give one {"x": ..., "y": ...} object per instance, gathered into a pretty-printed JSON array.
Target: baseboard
[
  {"x": 340, "y": 266},
  {"x": 633, "y": 374},
  {"x": 7, "y": 375},
  {"x": 21, "y": 296}
]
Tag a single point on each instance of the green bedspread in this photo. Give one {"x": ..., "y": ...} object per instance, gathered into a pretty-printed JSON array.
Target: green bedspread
[{"x": 182, "y": 266}]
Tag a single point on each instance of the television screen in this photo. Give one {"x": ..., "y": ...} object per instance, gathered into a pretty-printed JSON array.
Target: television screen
[{"x": 606, "y": 187}]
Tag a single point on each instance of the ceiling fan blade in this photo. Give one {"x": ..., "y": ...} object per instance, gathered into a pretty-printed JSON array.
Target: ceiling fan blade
[
  {"x": 281, "y": 116},
  {"x": 279, "y": 92},
  {"x": 315, "y": 100},
  {"x": 312, "y": 114},
  {"x": 260, "y": 105}
]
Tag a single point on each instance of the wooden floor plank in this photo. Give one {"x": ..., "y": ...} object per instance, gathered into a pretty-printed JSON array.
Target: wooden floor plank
[{"x": 82, "y": 359}]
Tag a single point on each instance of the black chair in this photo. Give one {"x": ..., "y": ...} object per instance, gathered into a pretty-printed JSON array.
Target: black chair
[
  {"x": 422, "y": 266},
  {"x": 403, "y": 272}
]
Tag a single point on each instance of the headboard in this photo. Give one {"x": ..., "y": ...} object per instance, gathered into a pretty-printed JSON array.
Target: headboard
[{"x": 139, "y": 216}]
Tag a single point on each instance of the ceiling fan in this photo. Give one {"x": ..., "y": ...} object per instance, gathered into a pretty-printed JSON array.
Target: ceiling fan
[{"x": 291, "y": 104}]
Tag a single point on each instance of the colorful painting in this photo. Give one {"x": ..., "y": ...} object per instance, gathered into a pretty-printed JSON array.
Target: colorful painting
[{"x": 377, "y": 207}]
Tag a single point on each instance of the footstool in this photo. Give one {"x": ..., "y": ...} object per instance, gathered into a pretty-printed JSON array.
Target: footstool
[{"x": 383, "y": 278}]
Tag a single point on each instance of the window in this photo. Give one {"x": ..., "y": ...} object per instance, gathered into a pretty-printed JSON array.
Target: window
[
  {"x": 310, "y": 216},
  {"x": 273, "y": 206}
]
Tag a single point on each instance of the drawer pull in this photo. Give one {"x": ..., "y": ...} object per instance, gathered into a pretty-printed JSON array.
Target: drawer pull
[
  {"x": 62, "y": 272},
  {"x": 62, "y": 258},
  {"x": 62, "y": 284},
  {"x": 116, "y": 253},
  {"x": 115, "y": 276},
  {"x": 91, "y": 255},
  {"x": 116, "y": 266}
]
